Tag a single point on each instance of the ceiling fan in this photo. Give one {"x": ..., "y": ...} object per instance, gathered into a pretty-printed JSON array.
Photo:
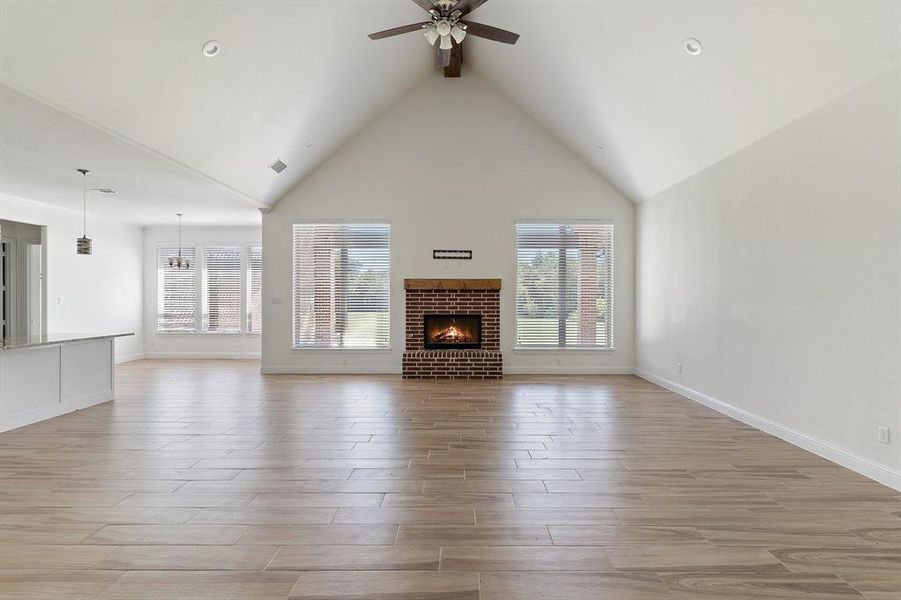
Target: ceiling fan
[{"x": 447, "y": 29}]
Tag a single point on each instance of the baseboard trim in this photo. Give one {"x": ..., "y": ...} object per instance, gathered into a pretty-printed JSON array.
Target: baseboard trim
[
  {"x": 129, "y": 358},
  {"x": 381, "y": 370},
  {"x": 884, "y": 474},
  {"x": 30, "y": 416},
  {"x": 566, "y": 370},
  {"x": 205, "y": 355},
  {"x": 56, "y": 409},
  {"x": 328, "y": 370}
]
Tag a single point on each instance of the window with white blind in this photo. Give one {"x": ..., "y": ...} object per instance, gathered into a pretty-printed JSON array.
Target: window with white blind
[
  {"x": 564, "y": 285},
  {"x": 341, "y": 285},
  {"x": 176, "y": 292},
  {"x": 222, "y": 271},
  {"x": 219, "y": 294},
  {"x": 254, "y": 289}
]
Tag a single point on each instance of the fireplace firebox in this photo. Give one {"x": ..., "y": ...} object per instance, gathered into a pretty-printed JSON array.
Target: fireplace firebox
[{"x": 452, "y": 332}]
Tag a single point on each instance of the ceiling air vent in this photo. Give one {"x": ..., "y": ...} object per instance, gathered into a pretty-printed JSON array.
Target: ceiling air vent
[{"x": 279, "y": 165}]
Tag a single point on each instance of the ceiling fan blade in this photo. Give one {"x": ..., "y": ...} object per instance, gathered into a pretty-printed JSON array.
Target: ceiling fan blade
[
  {"x": 490, "y": 33},
  {"x": 399, "y": 30},
  {"x": 444, "y": 58},
  {"x": 467, "y": 6},
  {"x": 425, "y": 4}
]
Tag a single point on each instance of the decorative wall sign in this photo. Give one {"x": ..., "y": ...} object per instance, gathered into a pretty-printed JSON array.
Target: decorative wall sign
[{"x": 452, "y": 254}]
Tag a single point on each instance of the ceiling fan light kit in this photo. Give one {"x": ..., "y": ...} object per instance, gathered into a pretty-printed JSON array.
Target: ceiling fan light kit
[
  {"x": 446, "y": 30},
  {"x": 458, "y": 33}
]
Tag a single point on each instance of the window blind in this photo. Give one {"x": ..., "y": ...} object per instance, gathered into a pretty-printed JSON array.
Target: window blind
[
  {"x": 254, "y": 289},
  {"x": 176, "y": 298},
  {"x": 341, "y": 285},
  {"x": 564, "y": 285},
  {"x": 222, "y": 288}
]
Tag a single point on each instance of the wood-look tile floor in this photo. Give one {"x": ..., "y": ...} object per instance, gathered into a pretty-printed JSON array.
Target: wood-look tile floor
[{"x": 208, "y": 480}]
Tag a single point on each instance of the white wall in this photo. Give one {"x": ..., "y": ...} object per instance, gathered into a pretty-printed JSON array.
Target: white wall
[
  {"x": 192, "y": 345},
  {"x": 452, "y": 165},
  {"x": 86, "y": 294},
  {"x": 774, "y": 277}
]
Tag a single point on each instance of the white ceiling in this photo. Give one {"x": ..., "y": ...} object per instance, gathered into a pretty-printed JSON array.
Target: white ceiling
[
  {"x": 288, "y": 73},
  {"x": 616, "y": 73},
  {"x": 41, "y": 148},
  {"x": 138, "y": 98}
]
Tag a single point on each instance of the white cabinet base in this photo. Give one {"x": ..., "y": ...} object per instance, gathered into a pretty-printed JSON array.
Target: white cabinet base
[{"x": 41, "y": 382}]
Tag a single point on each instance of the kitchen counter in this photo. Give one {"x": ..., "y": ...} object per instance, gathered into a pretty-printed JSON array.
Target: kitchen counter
[{"x": 50, "y": 375}]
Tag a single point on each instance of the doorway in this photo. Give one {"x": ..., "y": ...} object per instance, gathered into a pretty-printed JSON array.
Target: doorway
[
  {"x": 4, "y": 287},
  {"x": 22, "y": 285}
]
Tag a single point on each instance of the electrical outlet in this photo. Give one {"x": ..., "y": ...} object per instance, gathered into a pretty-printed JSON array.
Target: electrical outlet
[
  {"x": 885, "y": 434},
  {"x": 679, "y": 367}
]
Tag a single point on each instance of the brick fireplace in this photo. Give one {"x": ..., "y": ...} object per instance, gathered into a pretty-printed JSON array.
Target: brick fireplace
[{"x": 462, "y": 319}]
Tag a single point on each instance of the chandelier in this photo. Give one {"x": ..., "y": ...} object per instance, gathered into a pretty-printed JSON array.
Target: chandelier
[{"x": 178, "y": 262}]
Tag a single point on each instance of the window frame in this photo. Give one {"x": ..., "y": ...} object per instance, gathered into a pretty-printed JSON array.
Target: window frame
[
  {"x": 246, "y": 282},
  {"x": 346, "y": 350},
  {"x": 611, "y": 301},
  {"x": 199, "y": 300},
  {"x": 204, "y": 286},
  {"x": 157, "y": 260}
]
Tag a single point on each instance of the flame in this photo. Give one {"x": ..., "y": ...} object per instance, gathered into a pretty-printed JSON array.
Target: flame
[{"x": 451, "y": 334}]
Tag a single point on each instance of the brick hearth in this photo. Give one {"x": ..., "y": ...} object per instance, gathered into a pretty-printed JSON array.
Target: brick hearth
[{"x": 453, "y": 296}]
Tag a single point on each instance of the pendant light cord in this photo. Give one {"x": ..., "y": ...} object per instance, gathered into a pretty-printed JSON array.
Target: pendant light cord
[{"x": 84, "y": 204}]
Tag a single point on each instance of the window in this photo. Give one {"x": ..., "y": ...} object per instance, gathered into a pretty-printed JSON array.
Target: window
[
  {"x": 220, "y": 293},
  {"x": 176, "y": 292},
  {"x": 564, "y": 285},
  {"x": 222, "y": 289},
  {"x": 254, "y": 289},
  {"x": 341, "y": 285}
]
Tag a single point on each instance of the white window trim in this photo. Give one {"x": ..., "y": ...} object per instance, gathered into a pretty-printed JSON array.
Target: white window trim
[
  {"x": 198, "y": 290},
  {"x": 347, "y": 351},
  {"x": 156, "y": 275},
  {"x": 547, "y": 350},
  {"x": 245, "y": 292}
]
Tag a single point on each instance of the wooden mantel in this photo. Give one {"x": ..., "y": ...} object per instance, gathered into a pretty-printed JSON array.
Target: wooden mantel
[{"x": 452, "y": 284}]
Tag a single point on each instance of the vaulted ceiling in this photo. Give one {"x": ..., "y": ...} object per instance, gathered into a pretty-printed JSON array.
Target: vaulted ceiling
[
  {"x": 616, "y": 73},
  {"x": 295, "y": 80}
]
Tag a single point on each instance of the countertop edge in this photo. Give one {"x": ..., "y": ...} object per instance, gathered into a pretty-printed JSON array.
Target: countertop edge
[{"x": 62, "y": 340}]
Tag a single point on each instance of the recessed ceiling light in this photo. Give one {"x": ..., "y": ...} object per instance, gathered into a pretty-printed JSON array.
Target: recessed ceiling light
[
  {"x": 211, "y": 48},
  {"x": 279, "y": 165},
  {"x": 693, "y": 46},
  {"x": 104, "y": 191}
]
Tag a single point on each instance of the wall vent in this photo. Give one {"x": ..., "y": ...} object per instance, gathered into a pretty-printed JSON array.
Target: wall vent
[{"x": 279, "y": 165}]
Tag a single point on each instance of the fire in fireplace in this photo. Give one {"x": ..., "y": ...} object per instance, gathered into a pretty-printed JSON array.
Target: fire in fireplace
[{"x": 449, "y": 332}]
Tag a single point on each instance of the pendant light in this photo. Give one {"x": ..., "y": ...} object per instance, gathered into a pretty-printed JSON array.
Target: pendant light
[
  {"x": 177, "y": 262},
  {"x": 84, "y": 245}
]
